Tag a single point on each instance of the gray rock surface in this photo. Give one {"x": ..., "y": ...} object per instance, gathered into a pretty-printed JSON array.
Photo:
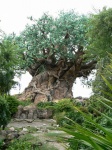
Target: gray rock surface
[{"x": 31, "y": 112}]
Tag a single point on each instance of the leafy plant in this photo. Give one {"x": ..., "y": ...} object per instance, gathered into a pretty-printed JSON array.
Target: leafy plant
[
  {"x": 99, "y": 34},
  {"x": 10, "y": 64},
  {"x": 25, "y": 103},
  {"x": 4, "y": 113},
  {"x": 29, "y": 142},
  {"x": 1, "y": 143},
  {"x": 95, "y": 136},
  {"x": 65, "y": 107},
  {"x": 44, "y": 105},
  {"x": 99, "y": 87},
  {"x": 20, "y": 145},
  {"x": 13, "y": 103}
]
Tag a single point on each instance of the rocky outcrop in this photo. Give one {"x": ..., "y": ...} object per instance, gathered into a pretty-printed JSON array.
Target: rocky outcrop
[{"x": 31, "y": 112}]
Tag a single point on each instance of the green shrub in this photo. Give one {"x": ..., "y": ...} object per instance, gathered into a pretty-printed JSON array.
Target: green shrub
[
  {"x": 94, "y": 136},
  {"x": 65, "y": 107},
  {"x": 44, "y": 105},
  {"x": 25, "y": 103},
  {"x": 4, "y": 112},
  {"x": 13, "y": 104},
  {"x": 59, "y": 117},
  {"x": 1, "y": 143},
  {"x": 20, "y": 145},
  {"x": 29, "y": 142}
]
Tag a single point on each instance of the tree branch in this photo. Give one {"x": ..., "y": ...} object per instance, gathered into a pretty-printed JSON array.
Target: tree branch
[{"x": 89, "y": 64}]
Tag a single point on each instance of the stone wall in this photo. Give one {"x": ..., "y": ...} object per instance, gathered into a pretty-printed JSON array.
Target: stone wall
[{"x": 31, "y": 112}]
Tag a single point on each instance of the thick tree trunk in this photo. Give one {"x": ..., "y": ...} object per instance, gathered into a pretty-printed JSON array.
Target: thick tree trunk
[
  {"x": 56, "y": 82},
  {"x": 47, "y": 87}
]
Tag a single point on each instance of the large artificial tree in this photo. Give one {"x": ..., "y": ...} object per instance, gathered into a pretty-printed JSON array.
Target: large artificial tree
[{"x": 55, "y": 55}]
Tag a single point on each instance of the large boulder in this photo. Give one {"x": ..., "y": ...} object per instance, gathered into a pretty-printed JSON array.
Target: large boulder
[
  {"x": 44, "y": 113},
  {"x": 31, "y": 112},
  {"x": 19, "y": 111}
]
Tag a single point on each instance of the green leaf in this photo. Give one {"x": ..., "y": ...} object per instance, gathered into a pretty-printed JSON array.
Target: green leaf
[{"x": 106, "y": 81}]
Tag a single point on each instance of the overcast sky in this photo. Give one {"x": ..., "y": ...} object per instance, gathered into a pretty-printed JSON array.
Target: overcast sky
[{"x": 14, "y": 13}]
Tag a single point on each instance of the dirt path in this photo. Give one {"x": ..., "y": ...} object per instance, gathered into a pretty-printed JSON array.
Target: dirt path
[
  {"x": 40, "y": 125},
  {"x": 36, "y": 123}
]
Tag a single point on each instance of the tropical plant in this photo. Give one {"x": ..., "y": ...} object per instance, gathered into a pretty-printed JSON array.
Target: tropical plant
[
  {"x": 65, "y": 107},
  {"x": 96, "y": 135}
]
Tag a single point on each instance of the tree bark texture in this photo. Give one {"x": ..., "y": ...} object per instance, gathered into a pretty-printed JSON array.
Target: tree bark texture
[
  {"x": 46, "y": 87},
  {"x": 56, "y": 81}
]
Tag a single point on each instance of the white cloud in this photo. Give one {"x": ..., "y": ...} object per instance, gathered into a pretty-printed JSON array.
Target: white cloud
[{"x": 14, "y": 13}]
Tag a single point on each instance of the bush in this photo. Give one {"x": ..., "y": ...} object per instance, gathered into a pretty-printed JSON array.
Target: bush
[
  {"x": 44, "y": 105},
  {"x": 13, "y": 104},
  {"x": 65, "y": 107},
  {"x": 25, "y": 103},
  {"x": 94, "y": 136},
  {"x": 1, "y": 143},
  {"x": 29, "y": 142},
  {"x": 20, "y": 145},
  {"x": 4, "y": 112}
]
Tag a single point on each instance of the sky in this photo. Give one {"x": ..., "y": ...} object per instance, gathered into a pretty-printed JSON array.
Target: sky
[{"x": 13, "y": 18}]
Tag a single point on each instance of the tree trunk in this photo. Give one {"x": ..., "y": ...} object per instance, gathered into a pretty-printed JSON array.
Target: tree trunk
[
  {"x": 47, "y": 87},
  {"x": 56, "y": 82}
]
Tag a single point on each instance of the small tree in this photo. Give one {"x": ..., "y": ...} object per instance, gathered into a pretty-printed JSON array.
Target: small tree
[{"x": 10, "y": 62}]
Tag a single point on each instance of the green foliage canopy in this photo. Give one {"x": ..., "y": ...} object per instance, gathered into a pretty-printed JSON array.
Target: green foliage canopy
[
  {"x": 100, "y": 46},
  {"x": 59, "y": 37},
  {"x": 100, "y": 34}
]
